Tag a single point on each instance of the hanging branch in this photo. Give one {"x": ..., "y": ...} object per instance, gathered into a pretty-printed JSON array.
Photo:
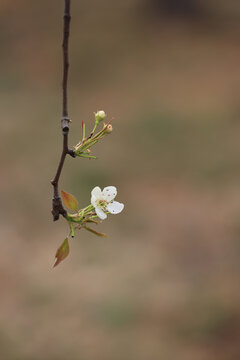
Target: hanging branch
[
  {"x": 57, "y": 206},
  {"x": 102, "y": 202}
]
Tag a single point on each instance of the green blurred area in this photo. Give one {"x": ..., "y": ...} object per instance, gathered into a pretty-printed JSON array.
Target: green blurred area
[{"x": 164, "y": 284}]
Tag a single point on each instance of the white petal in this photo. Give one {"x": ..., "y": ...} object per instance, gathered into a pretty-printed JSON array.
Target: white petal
[
  {"x": 94, "y": 200},
  {"x": 100, "y": 213},
  {"x": 115, "y": 207},
  {"x": 109, "y": 193},
  {"x": 96, "y": 192}
]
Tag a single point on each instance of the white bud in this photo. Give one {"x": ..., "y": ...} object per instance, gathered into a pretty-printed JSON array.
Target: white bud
[
  {"x": 109, "y": 129},
  {"x": 100, "y": 115}
]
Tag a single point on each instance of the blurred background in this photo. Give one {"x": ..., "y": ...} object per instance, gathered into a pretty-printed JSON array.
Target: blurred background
[{"x": 164, "y": 284}]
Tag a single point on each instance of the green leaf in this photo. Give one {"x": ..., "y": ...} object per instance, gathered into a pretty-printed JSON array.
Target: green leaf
[
  {"x": 69, "y": 201},
  {"x": 62, "y": 252}
]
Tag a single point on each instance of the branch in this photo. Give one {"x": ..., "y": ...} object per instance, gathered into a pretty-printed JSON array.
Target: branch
[
  {"x": 66, "y": 27},
  {"x": 57, "y": 206}
]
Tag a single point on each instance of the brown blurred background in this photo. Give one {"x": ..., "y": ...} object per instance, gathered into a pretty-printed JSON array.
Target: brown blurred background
[{"x": 165, "y": 283}]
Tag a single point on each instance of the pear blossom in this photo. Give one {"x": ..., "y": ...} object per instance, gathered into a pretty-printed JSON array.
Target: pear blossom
[{"x": 103, "y": 201}]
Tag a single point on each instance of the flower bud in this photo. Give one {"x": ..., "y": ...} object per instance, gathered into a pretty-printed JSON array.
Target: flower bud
[
  {"x": 109, "y": 129},
  {"x": 99, "y": 116}
]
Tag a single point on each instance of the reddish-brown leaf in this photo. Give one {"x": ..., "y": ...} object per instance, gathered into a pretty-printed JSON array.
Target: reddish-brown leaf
[
  {"x": 69, "y": 201},
  {"x": 62, "y": 252}
]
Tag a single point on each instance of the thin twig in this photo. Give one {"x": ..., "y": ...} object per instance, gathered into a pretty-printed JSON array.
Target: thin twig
[
  {"x": 66, "y": 28},
  {"x": 57, "y": 206}
]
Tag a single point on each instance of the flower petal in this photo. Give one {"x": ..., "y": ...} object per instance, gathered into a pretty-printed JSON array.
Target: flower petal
[
  {"x": 109, "y": 193},
  {"x": 115, "y": 207},
  {"x": 96, "y": 195},
  {"x": 100, "y": 213},
  {"x": 94, "y": 200},
  {"x": 96, "y": 191}
]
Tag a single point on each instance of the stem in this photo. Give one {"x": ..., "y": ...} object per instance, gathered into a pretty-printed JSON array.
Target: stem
[
  {"x": 57, "y": 207},
  {"x": 72, "y": 230}
]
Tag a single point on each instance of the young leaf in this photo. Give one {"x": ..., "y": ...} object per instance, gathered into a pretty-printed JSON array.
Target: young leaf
[
  {"x": 62, "y": 252},
  {"x": 95, "y": 232},
  {"x": 69, "y": 201}
]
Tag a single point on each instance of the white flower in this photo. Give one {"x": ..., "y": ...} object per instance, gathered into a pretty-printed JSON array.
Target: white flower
[{"x": 103, "y": 201}]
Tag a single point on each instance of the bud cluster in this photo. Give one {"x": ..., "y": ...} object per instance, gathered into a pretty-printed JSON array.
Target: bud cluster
[{"x": 82, "y": 149}]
